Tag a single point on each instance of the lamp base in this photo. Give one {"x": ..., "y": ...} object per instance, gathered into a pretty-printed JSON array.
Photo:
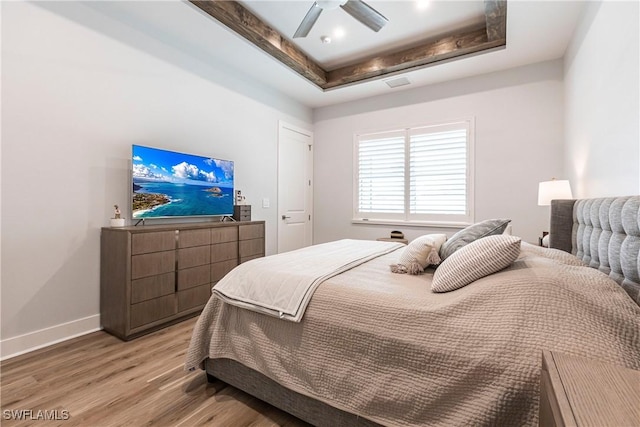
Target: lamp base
[{"x": 544, "y": 240}]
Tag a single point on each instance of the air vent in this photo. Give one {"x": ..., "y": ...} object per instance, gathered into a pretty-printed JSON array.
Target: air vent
[{"x": 401, "y": 81}]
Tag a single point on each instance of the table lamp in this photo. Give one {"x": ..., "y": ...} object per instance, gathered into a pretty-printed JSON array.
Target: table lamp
[{"x": 548, "y": 191}]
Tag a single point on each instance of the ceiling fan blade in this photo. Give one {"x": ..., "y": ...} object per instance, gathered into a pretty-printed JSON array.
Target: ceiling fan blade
[
  {"x": 365, "y": 14},
  {"x": 307, "y": 22}
]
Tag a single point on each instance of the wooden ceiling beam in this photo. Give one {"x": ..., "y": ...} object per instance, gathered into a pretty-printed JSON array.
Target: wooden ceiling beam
[
  {"x": 444, "y": 48},
  {"x": 243, "y": 22},
  {"x": 492, "y": 35},
  {"x": 495, "y": 13}
]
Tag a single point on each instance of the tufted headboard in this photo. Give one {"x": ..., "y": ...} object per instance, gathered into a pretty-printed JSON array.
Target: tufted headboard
[{"x": 604, "y": 233}]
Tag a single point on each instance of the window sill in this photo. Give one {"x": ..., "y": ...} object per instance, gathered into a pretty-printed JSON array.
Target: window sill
[{"x": 433, "y": 224}]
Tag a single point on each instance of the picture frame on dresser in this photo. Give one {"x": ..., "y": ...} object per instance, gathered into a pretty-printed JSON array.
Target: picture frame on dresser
[{"x": 157, "y": 275}]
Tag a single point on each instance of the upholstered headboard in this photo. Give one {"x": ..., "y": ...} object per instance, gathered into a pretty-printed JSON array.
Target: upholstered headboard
[{"x": 604, "y": 233}]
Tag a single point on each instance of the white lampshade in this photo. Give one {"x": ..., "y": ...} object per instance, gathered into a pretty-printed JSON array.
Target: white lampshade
[{"x": 552, "y": 190}]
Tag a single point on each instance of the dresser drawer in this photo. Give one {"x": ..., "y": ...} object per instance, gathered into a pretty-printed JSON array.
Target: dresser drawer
[
  {"x": 251, "y": 231},
  {"x": 194, "y": 297},
  {"x": 196, "y": 276},
  {"x": 153, "y": 310},
  {"x": 219, "y": 269},
  {"x": 192, "y": 257},
  {"x": 224, "y": 234},
  {"x": 152, "y": 287},
  {"x": 152, "y": 264},
  {"x": 189, "y": 238},
  {"x": 251, "y": 248},
  {"x": 142, "y": 243},
  {"x": 224, "y": 251}
]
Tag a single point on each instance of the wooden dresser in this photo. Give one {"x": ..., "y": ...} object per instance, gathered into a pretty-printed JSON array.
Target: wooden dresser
[
  {"x": 581, "y": 392},
  {"x": 153, "y": 276}
]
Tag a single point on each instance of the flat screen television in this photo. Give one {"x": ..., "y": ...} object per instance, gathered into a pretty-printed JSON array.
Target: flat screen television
[{"x": 172, "y": 184}]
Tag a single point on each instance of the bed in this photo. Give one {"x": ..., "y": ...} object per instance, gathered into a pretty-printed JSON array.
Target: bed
[{"x": 377, "y": 348}]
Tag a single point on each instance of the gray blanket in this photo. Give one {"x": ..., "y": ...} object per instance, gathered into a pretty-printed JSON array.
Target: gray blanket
[{"x": 385, "y": 347}]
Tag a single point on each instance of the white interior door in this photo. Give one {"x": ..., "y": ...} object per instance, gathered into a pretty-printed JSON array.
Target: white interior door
[{"x": 295, "y": 190}]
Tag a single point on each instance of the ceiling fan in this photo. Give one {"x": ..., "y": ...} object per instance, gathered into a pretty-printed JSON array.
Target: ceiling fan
[{"x": 356, "y": 8}]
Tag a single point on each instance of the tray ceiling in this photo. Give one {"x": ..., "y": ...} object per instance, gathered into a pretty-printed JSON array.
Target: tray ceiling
[{"x": 413, "y": 39}]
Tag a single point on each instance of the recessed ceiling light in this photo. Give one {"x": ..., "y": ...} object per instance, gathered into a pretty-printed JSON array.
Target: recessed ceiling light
[
  {"x": 338, "y": 33},
  {"x": 325, "y": 39},
  {"x": 422, "y": 4}
]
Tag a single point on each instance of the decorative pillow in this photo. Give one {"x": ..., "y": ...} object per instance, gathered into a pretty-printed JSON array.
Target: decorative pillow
[
  {"x": 419, "y": 253},
  {"x": 473, "y": 232},
  {"x": 553, "y": 254},
  {"x": 476, "y": 260}
]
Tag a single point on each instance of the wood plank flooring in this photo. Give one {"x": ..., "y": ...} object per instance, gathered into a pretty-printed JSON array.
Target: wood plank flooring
[{"x": 98, "y": 380}]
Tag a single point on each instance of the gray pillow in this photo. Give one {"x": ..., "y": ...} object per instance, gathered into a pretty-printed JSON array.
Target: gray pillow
[
  {"x": 474, "y": 261},
  {"x": 473, "y": 232}
]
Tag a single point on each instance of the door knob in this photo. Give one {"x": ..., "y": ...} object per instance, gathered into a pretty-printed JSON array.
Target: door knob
[{"x": 285, "y": 217}]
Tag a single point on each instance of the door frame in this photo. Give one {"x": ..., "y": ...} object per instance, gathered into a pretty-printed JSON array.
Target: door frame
[{"x": 309, "y": 227}]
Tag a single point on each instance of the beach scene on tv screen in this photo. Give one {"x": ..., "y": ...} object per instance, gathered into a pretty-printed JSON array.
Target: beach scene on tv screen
[{"x": 167, "y": 183}]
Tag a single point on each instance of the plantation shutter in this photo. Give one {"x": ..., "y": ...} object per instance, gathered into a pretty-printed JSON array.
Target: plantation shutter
[
  {"x": 438, "y": 171},
  {"x": 381, "y": 177},
  {"x": 416, "y": 175}
]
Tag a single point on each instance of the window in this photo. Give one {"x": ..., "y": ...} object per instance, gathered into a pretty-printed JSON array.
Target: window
[{"x": 420, "y": 175}]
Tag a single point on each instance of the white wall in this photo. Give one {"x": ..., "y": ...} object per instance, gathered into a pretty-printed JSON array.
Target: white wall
[
  {"x": 518, "y": 143},
  {"x": 602, "y": 101},
  {"x": 81, "y": 83}
]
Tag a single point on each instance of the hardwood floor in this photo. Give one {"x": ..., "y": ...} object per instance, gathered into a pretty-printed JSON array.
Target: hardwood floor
[{"x": 98, "y": 380}]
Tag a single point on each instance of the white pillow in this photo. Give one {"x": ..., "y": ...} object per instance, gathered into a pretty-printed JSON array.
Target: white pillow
[
  {"x": 420, "y": 253},
  {"x": 478, "y": 259}
]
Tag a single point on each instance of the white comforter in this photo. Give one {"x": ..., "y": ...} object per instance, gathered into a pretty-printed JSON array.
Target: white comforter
[{"x": 282, "y": 285}]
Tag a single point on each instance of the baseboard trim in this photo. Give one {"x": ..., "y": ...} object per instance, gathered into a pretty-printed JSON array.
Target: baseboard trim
[{"x": 21, "y": 344}]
